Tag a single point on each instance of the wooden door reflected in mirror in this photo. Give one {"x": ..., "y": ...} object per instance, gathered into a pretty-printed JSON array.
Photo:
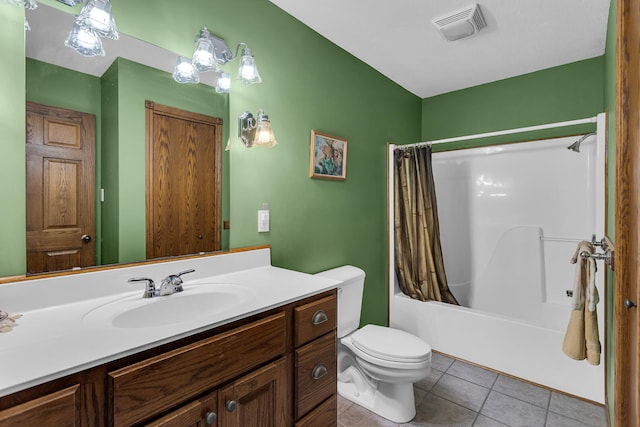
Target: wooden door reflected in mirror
[
  {"x": 60, "y": 169},
  {"x": 183, "y": 182}
]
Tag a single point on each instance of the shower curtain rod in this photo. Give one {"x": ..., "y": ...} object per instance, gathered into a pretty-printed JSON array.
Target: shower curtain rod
[{"x": 593, "y": 119}]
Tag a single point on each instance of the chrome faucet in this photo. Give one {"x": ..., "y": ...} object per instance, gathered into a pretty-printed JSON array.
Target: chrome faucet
[
  {"x": 150, "y": 290},
  {"x": 173, "y": 283},
  {"x": 169, "y": 285}
]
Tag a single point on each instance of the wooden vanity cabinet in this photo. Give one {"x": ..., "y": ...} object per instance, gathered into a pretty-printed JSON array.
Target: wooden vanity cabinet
[
  {"x": 262, "y": 393},
  {"x": 55, "y": 409},
  {"x": 315, "y": 362},
  {"x": 269, "y": 370}
]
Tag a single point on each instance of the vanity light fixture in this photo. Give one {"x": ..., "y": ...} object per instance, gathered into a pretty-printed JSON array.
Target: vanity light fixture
[
  {"x": 256, "y": 133},
  {"x": 204, "y": 54},
  {"x": 95, "y": 21},
  {"x": 70, "y": 2},
  {"x": 247, "y": 70},
  {"x": 224, "y": 82},
  {"x": 210, "y": 52},
  {"x": 84, "y": 40},
  {"x": 97, "y": 15},
  {"x": 185, "y": 71}
]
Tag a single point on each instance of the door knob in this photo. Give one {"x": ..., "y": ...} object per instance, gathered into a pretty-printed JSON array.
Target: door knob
[
  {"x": 629, "y": 304},
  {"x": 86, "y": 238}
]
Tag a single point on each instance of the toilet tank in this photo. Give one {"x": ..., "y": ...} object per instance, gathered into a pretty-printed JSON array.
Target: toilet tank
[{"x": 349, "y": 296}]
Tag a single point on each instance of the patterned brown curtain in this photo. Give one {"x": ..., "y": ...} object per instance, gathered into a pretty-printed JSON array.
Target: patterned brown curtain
[{"x": 418, "y": 255}]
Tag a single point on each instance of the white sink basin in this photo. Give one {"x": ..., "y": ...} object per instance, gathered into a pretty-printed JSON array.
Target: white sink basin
[{"x": 195, "y": 302}]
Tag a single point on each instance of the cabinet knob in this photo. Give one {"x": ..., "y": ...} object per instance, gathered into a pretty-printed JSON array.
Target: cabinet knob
[
  {"x": 319, "y": 317},
  {"x": 629, "y": 304},
  {"x": 210, "y": 418},
  {"x": 86, "y": 238},
  {"x": 231, "y": 405},
  {"x": 319, "y": 371}
]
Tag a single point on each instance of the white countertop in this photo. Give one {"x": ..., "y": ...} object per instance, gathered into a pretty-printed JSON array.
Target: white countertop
[{"x": 51, "y": 341}]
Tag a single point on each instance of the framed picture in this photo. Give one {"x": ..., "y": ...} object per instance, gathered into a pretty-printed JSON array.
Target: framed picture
[{"x": 328, "y": 156}]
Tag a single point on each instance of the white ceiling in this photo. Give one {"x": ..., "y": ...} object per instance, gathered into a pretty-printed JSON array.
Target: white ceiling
[{"x": 396, "y": 37}]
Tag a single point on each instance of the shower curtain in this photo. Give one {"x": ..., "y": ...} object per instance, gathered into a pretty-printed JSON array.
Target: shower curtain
[{"x": 418, "y": 255}]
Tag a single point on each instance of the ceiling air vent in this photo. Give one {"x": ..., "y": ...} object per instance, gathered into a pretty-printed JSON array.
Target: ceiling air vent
[{"x": 461, "y": 23}]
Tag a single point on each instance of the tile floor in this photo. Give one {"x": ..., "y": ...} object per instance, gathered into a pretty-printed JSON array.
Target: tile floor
[{"x": 458, "y": 394}]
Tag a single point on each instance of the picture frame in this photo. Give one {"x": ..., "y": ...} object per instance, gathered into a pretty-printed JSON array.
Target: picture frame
[{"x": 328, "y": 156}]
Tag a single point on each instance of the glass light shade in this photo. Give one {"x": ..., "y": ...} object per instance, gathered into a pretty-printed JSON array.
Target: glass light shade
[
  {"x": 224, "y": 82},
  {"x": 185, "y": 72},
  {"x": 204, "y": 55},
  {"x": 70, "y": 2},
  {"x": 84, "y": 41},
  {"x": 96, "y": 14},
  {"x": 247, "y": 69},
  {"x": 264, "y": 136},
  {"x": 30, "y": 4}
]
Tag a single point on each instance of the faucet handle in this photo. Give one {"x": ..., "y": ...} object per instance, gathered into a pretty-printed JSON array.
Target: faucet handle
[
  {"x": 191, "y": 270},
  {"x": 173, "y": 283},
  {"x": 150, "y": 289}
]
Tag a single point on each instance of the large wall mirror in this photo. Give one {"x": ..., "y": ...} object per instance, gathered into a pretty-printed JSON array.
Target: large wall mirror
[{"x": 115, "y": 90}]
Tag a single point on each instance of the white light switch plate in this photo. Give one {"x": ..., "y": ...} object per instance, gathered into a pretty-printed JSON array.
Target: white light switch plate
[{"x": 263, "y": 221}]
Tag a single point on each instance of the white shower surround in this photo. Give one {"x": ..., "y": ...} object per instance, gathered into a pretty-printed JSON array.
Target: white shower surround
[{"x": 504, "y": 211}]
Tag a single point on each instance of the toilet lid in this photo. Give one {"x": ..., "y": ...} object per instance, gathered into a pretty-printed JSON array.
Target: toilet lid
[{"x": 390, "y": 344}]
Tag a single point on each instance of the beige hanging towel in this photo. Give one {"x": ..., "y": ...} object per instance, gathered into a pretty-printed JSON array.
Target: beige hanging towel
[{"x": 582, "y": 339}]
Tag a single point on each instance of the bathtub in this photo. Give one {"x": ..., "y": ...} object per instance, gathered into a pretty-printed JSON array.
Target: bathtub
[{"x": 510, "y": 219}]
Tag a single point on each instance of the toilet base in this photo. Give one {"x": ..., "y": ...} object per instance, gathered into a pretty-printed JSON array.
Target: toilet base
[{"x": 393, "y": 401}]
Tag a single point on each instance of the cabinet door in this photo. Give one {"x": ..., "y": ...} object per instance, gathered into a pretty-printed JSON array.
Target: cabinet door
[
  {"x": 56, "y": 409},
  {"x": 259, "y": 399},
  {"x": 199, "y": 413}
]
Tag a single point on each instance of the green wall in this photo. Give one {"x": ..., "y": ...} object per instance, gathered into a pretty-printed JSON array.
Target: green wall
[
  {"x": 569, "y": 92},
  {"x": 109, "y": 159},
  {"x": 12, "y": 160},
  {"x": 610, "y": 107},
  {"x": 308, "y": 83},
  {"x": 60, "y": 87},
  {"x": 311, "y": 84}
]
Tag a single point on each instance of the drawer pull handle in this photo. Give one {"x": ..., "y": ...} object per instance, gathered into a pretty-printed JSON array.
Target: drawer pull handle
[
  {"x": 319, "y": 371},
  {"x": 319, "y": 317},
  {"x": 231, "y": 405},
  {"x": 210, "y": 418}
]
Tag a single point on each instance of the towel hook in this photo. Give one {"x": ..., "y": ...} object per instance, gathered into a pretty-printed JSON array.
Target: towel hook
[{"x": 607, "y": 256}]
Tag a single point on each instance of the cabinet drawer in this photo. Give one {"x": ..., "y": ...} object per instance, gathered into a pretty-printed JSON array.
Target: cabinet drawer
[
  {"x": 315, "y": 319},
  {"x": 149, "y": 387},
  {"x": 325, "y": 415},
  {"x": 55, "y": 409},
  {"x": 315, "y": 373},
  {"x": 200, "y": 413}
]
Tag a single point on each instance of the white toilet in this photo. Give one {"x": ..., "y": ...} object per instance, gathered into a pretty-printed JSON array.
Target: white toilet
[{"x": 377, "y": 365}]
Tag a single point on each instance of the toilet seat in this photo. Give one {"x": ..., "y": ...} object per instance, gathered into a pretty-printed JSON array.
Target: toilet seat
[{"x": 389, "y": 347}]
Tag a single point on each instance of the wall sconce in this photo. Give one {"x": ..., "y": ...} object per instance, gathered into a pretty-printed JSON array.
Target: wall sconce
[
  {"x": 210, "y": 52},
  {"x": 95, "y": 21},
  {"x": 254, "y": 133}
]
